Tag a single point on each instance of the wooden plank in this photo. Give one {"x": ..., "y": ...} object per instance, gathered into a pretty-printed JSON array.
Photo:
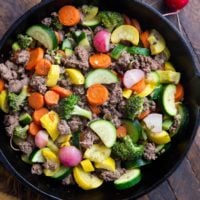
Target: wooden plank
[
  {"x": 184, "y": 183},
  {"x": 162, "y": 192}
]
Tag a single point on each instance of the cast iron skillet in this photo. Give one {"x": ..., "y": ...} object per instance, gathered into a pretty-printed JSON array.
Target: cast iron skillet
[{"x": 158, "y": 171}]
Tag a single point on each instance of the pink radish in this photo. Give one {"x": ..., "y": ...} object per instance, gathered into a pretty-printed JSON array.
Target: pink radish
[
  {"x": 70, "y": 156},
  {"x": 176, "y": 4},
  {"x": 41, "y": 139},
  {"x": 101, "y": 41},
  {"x": 132, "y": 76}
]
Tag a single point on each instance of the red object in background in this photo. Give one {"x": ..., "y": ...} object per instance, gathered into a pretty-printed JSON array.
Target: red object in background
[{"x": 176, "y": 4}]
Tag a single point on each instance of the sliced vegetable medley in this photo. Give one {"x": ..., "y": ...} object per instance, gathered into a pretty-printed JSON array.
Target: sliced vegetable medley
[{"x": 90, "y": 97}]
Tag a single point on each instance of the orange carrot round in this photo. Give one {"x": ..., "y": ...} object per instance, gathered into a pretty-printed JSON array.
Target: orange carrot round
[
  {"x": 97, "y": 94},
  {"x": 35, "y": 56},
  {"x": 126, "y": 20},
  {"x": 37, "y": 114},
  {"x": 42, "y": 67},
  {"x": 100, "y": 60},
  {"x": 144, "y": 39},
  {"x": 34, "y": 128},
  {"x": 51, "y": 98},
  {"x": 61, "y": 91},
  {"x": 142, "y": 115},
  {"x": 69, "y": 16},
  {"x": 95, "y": 109},
  {"x": 2, "y": 85},
  {"x": 179, "y": 92},
  {"x": 121, "y": 131},
  {"x": 139, "y": 87},
  {"x": 135, "y": 23},
  {"x": 36, "y": 100}
]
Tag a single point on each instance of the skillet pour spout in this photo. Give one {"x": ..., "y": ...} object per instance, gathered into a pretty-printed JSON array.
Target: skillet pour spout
[{"x": 153, "y": 174}]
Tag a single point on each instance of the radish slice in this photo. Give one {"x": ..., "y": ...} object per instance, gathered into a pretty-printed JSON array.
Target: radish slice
[
  {"x": 101, "y": 41},
  {"x": 154, "y": 122},
  {"x": 70, "y": 156},
  {"x": 133, "y": 76},
  {"x": 41, "y": 139}
]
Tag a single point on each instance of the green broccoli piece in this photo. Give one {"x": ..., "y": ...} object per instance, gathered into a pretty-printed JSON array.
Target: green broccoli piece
[
  {"x": 125, "y": 149},
  {"x": 21, "y": 132},
  {"x": 68, "y": 107},
  {"x": 55, "y": 23},
  {"x": 110, "y": 19},
  {"x": 16, "y": 101},
  {"x": 24, "y": 41},
  {"x": 134, "y": 106}
]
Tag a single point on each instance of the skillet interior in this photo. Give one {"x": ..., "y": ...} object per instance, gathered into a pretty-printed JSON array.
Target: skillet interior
[{"x": 152, "y": 174}]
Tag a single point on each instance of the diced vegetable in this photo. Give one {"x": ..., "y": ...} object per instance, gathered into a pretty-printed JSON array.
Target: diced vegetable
[
  {"x": 132, "y": 164},
  {"x": 125, "y": 33},
  {"x": 25, "y": 119},
  {"x": 149, "y": 88},
  {"x": 169, "y": 67},
  {"x": 166, "y": 124},
  {"x": 4, "y": 101},
  {"x": 62, "y": 173},
  {"x": 53, "y": 75},
  {"x": 159, "y": 138},
  {"x": 44, "y": 35},
  {"x": 76, "y": 77},
  {"x": 36, "y": 156},
  {"x": 21, "y": 132},
  {"x": 138, "y": 50},
  {"x": 87, "y": 165},
  {"x": 105, "y": 130},
  {"x": 117, "y": 51},
  {"x": 169, "y": 76},
  {"x": 41, "y": 139},
  {"x": 108, "y": 164},
  {"x": 127, "y": 93},
  {"x": 66, "y": 44},
  {"x": 89, "y": 12},
  {"x": 153, "y": 78}
]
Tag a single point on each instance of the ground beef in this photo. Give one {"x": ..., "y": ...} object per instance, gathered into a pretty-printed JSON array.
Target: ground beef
[
  {"x": 108, "y": 176},
  {"x": 115, "y": 96},
  {"x": 10, "y": 65},
  {"x": 145, "y": 63},
  {"x": 161, "y": 58},
  {"x": 15, "y": 86},
  {"x": 88, "y": 138},
  {"x": 25, "y": 147},
  {"x": 22, "y": 57},
  {"x": 6, "y": 73},
  {"x": 51, "y": 165},
  {"x": 63, "y": 127},
  {"x": 150, "y": 151},
  {"x": 49, "y": 58},
  {"x": 175, "y": 125},
  {"x": 79, "y": 90},
  {"x": 47, "y": 21},
  {"x": 82, "y": 54},
  {"x": 11, "y": 121},
  {"x": 149, "y": 105},
  {"x": 65, "y": 83},
  {"x": 121, "y": 106},
  {"x": 38, "y": 83},
  {"x": 75, "y": 123},
  {"x": 124, "y": 60},
  {"x": 69, "y": 180},
  {"x": 36, "y": 169}
]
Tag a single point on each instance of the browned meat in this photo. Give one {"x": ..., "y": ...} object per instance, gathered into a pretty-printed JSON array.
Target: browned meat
[
  {"x": 111, "y": 176},
  {"x": 82, "y": 54},
  {"x": 161, "y": 58},
  {"x": 22, "y": 57},
  {"x": 68, "y": 180},
  {"x": 38, "y": 83},
  {"x": 15, "y": 86},
  {"x": 145, "y": 63},
  {"x": 50, "y": 58},
  {"x": 115, "y": 96},
  {"x": 51, "y": 165},
  {"x": 124, "y": 60},
  {"x": 63, "y": 127},
  {"x": 6, "y": 73},
  {"x": 175, "y": 125},
  {"x": 25, "y": 147},
  {"x": 88, "y": 138},
  {"x": 79, "y": 90},
  {"x": 36, "y": 169},
  {"x": 10, "y": 65},
  {"x": 149, "y": 105},
  {"x": 75, "y": 124},
  {"x": 150, "y": 151},
  {"x": 11, "y": 121}
]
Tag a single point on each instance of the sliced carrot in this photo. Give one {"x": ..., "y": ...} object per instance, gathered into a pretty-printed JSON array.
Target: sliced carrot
[
  {"x": 69, "y": 15},
  {"x": 121, "y": 132},
  {"x": 51, "y": 97},
  {"x": 100, "y": 60},
  {"x": 36, "y": 100},
  {"x": 42, "y": 67},
  {"x": 34, "y": 128},
  {"x": 139, "y": 87},
  {"x": 179, "y": 92},
  {"x": 97, "y": 94},
  {"x": 144, "y": 39},
  {"x": 95, "y": 109},
  {"x": 35, "y": 56},
  {"x": 126, "y": 20},
  {"x": 61, "y": 91},
  {"x": 37, "y": 114},
  {"x": 2, "y": 85},
  {"x": 142, "y": 115},
  {"x": 135, "y": 23}
]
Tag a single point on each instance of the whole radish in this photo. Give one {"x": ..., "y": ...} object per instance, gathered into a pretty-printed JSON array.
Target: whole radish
[
  {"x": 176, "y": 4},
  {"x": 41, "y": 139}
]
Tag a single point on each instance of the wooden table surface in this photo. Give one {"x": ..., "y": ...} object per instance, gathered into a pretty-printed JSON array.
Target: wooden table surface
[{"x": 184, "y": 184}]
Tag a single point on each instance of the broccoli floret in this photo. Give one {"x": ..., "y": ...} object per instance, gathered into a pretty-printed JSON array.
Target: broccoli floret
[
  {"x": 125, "y": 149},
  {"x": 111, "y": 19},
  {"x": 56, "y": 23},
  {"x": 68, "y": 107},
  {"x": 15, "y": 101},
  {"x": 134, "y": 106},
  {"x": 21, "y": 132},
  {"x": 24, "y": 41}
]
